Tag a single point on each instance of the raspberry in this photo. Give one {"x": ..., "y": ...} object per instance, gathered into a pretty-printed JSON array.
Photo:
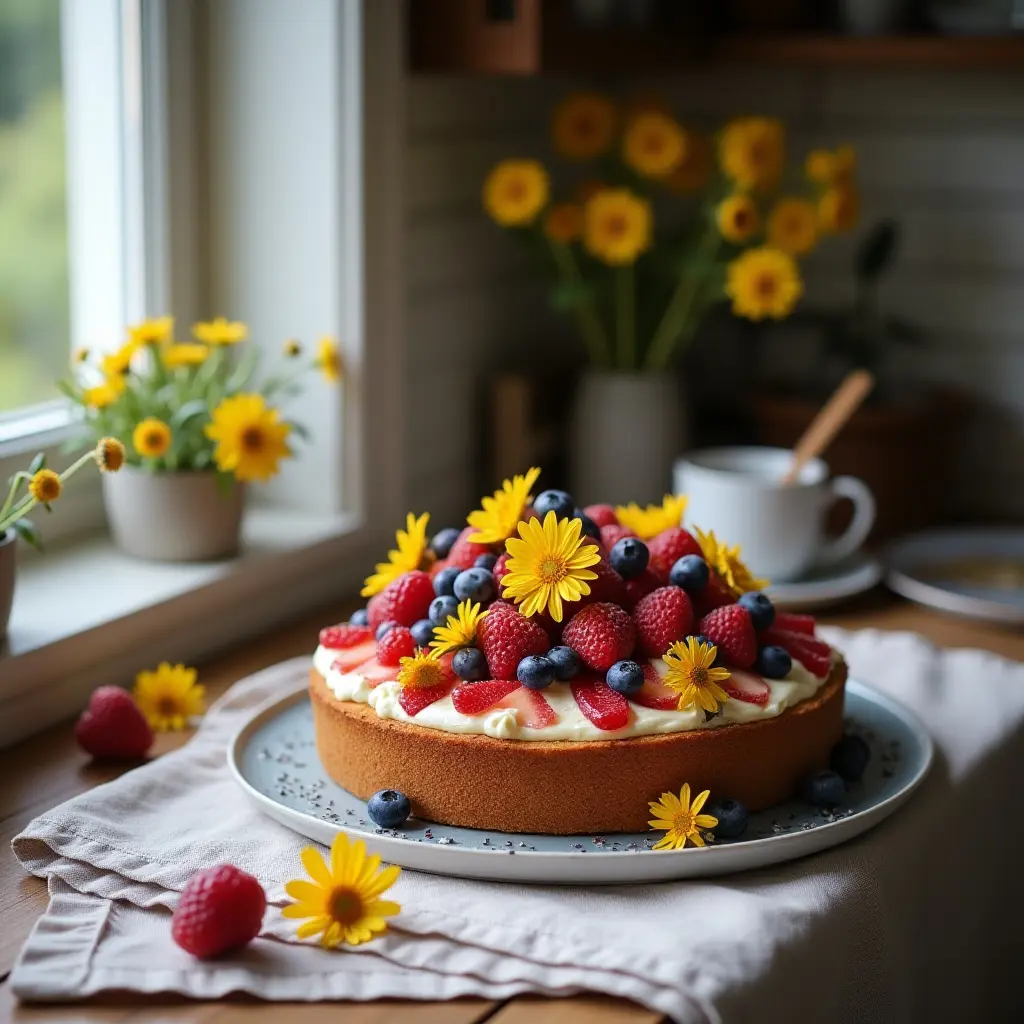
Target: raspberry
[
  {"x": 603, "y": 515},
  {"x": 395, "y": 645},
  {"x": 337, "y": 638},
  {"x": 609, "y": 586},
  {"x": 220, "y": 909},
  {"x": 715, "y": 595},
  {"x": 638, "y": 587},
  {"x": 465, "y": 552},
  {"x": 601, "y": 634},
  {"x": 600, "y": 703},
  {"x": 662, "y": 617},
  {"x": 668, "y": 547},
  {"x": 611, "y": 535},
  {"x": 731, "y": 630},
  {"x": 500, "y": 569},
  {"x": 112, "y": 727},
  {"x": 405, "y": 600},
  {"x": 437, "y": 565},
  {"x": 815, "y": 655},
  {"x": 506, "y": 637}
]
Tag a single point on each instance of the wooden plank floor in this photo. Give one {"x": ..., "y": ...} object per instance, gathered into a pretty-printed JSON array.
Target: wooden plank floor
[{"x": 49, "y": 769}]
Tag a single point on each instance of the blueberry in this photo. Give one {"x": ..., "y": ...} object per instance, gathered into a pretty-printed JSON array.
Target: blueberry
[
  {"x": 732, "y": 818},
  {"x": 535, "y": 672},
  {"x": 566, "y": 662},
  {"x": 553, "y": 501},
  {"x": 629, "y": 557},
  {"x": 589, "y": 528},
  {"x": 702, "y": 639},
  {"x": 422, "y": 632},
  {"x": 388, "y": 808},
  {"x": 470, "y": 664},
  {"x": 384, "y": 627},
  {"x": 625, "y": 677},
  {"x": 485, "y": 562},
  {"x": 689, "y": 572},
  {"x": 849, "y": 758},
  {"x": 762, "y": 611},
  {"x": 444, "y": 581},
  {"x": 823, "y": 789},
  {"x": 359, "y": 618},
  {"x": 443, "y": 540},
  {"x": 441, "y": 608},
  {"x": 475, "y": 585},
  {"x": 774, "y": 662}
]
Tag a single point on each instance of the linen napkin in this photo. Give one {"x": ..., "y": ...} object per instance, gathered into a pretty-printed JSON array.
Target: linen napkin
[{"x": 903, "y": 923}]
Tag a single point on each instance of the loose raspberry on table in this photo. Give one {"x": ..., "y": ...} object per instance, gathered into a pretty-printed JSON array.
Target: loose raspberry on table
[
  {"x": 112, "y": 727},
  {"x": 405, "y": 600},
  {"x": 601, "y": 634},
  {"x": 221, "y": 909},
  {"x": 662, "y": 617}
]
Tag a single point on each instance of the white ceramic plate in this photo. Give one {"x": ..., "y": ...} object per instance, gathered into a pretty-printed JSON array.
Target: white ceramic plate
[
  {"x": 824, "y": 587},
  {"x": 273, "y": 758}
]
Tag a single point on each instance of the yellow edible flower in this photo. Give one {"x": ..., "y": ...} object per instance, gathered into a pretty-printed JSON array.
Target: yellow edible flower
[
  {"x": 103, "y": 394},
  {"x": 500, "y": 515},
  {"x": 793, "y": 226},
  {"x": 328, "y": 360},
  {"x": 737, "y": 218},
  {"x": 156, "y": 330},
  {"x": 583, "y": 126},
  {"x": 421, "y": 671},
  {"x": 412, "y": 546},
  {"x": 763, "y": 282},
  {"x": 45, "y": 486},
  {"x": 617, "y": 226},
  {"x": 515, "y": 192},
  {"x": 726, "y": 562},
  {"x": 174, "y": 356},
  {"x": 109, "y": 454},
  {"x": 839, "y": 209},
  {"x": 460, "y": 630},
  {"x": 649, "y": 522},
  {"x": 168, "y": 696},
  {"x": 152, "y": 438},
  {"x": 752, "y": 152},
  {"x": 250, "y": 437},
  {"x": 680, "y": 820},
  {"x": 653, "y": 144},
  {"x": 691, "y": 675},
  {"x": 220, "y": 331}
]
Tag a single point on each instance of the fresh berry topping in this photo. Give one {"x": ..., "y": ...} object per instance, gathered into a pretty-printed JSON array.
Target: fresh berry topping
[
  {"x": 668, "y": 547},
  {"x": 691, "y": 573},
  {"x": 476, "y": 698},
  {"x": 221, "y": 909},
  {"x": 395, "y": 645},
  {"x": 486, "y": 561},
  {"x": 815, "y": 655},
  {"x": 611, "y": 535},
  {"x": 469, "y": 664},
  {"x": 762, "y": 611},
  {"x": 532, "y": 710},
  {"x": 640, "y": 586},
  {"x": 566, "y": 663},
  {"x": 553, "y": 501},
  {"x": 600, "y": 704},
  {"x": 655, "y": 693},
  {"x": 384, "y": 628},
  {"x": 732, "y": 818},
  {"x": 589, "y": 528},
  {"x": 774, "y": 662},
  {"x": 359, "y": 618},
  {"x": 506, "y": 637},
  {"x": 388, "y": 808},
  {"x": 351, "y": 657},
  {"x": 601, "y": 634},
  {"x": 731, "y": 630},
  {"x": 439, "y": 566},
  {"x": 849, "y": 758},
  {"x": 444, "y": 581},
  {"x": 629, "y": 557},
  {"x": 337, "y": 638},
  {"x": 440, "y": 608},
  {"x": 500, "y": 570},
  {"x": 413, "y": 699},
  {"x": 476, "y": 584},
  {"x": 662, "y": 617},
  {"x": 609, "y": 587},
  {"x": 112, "y": 727},
  {"x": 374, "y": 672},
  {"x": 823, "y": 789},
  {"x": 794, "y": 623},
  {"x": 535, "y": 671},
  {"x": 442, "y": 541},
  {"x": 405, "y": 600},
  {"x": 625, "y": 677},
  {"x": 715, "y": 595},
  {"x": 422, "y": 632},
  {"x": 747, "y": 687},
  {"x": 603, "y": 515},
  {"x": 465, "y": 552}
]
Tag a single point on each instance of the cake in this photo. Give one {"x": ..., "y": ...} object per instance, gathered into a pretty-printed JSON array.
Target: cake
[{"x": 554, "y": 670}]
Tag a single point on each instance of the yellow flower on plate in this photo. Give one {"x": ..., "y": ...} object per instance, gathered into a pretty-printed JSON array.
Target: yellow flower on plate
[
  {"x": 727, "y": 563},
  {"x": 737, "y": 218},
  {"x": 763, "y": 282},
  {"x": 680, "y": 820},
  {"x": 583, "y": 125},
  {"x": 421, "y": 671},
  {"x": 653, "y": 144},
  {"x": 548, "y": 565},
  {"x": 617, "y": 226},
  {"x": 563, "y": 223},
  {"x": 152, "y": 438},
  {"x": 692, "y": 172},
  {"x": 156, "y": 330},
  {"x": 515, "y": 192},
  {"x": 411, "y": 547},
  {"x": 328, "y": 360},
  {"x": 500, "y": 515},
  {"x": 103, "y": 394},
  {"x": 220, "y": 331},
  {"x": 649, "y": 522},
  {"x": 168, "y": 696},
  {"x": 691, "y": 675},
  {"x": 793, "y": 226},
  {"x": 45, "y": 486},
  {"x": 342, "y": 901},
  {"x": 119, "y": 362},
  {"x": 184, "y": 354},
  {"x": 109, "y": 454},
  {"x": 839, "y": 209},
  {"x": 460, "y": 630},
  {"x": 250, "y": 437},
  {"x": 752, "y": 152}
]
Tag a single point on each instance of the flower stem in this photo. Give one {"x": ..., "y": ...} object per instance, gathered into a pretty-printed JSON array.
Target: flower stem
[
  {"x": 589, "y": 323},
  {"x": 9, "y": 500},
  {"x": 625, "y": 307},
  {"x": 9, "y": 515}
]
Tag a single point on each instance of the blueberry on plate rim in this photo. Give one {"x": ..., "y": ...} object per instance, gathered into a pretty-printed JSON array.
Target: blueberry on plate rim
[
  {"x": 850, "y": 757},
  {"x": 823, "y": 788},
  {"x": 732, "y": 816},
  {"x": 388, "y": 808}
]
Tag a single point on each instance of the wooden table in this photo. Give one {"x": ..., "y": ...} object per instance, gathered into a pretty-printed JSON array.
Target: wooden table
[{"x": 48, "y": 769}]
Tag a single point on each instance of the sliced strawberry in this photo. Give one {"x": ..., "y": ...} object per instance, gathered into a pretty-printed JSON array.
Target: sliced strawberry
[
  {"x": 654, "y": 693},
  {"x": 414, "y": 700},
  {"x": 375, "y": 673},
  {"x": 476, "y": 698},
  {"x": 794, "y": 623},
  {"x": 815, "y": 655},
  {"x": 601, "y": 704},
  {"x": 351, "y": 657},
  {"x": 747, "y": 687},
  {"x": 343, "y": 636},
  {"x": 532, "y": 710},
  {"x": 445, "y": 661}
]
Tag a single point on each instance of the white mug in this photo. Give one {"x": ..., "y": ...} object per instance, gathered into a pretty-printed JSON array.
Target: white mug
[{"x": 738, "y": 493}]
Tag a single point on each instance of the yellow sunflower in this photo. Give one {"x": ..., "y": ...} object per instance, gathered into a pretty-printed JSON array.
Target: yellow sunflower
[
  {"x": 653, "y": 144},
  {"x": 421, "y": 671},
  {"x": 45, "y": 486},
  {"x": 763, "y": 282},
  {"x": 548, "y": 565},
  {"x": 174, "y": 356},
  {"x": 680, "y": 820},
  {"x": 692, "y": 172},
  {"x": 250, "y": 437},
  {"x": 515, "y": 192},
  {"x": 583, "y": 126},
  {"x": 563, "y": 223},
  {"x": 109, "y": 454},
  {"x": 220, "y": 331},
  {"x": 726, "y": 562},
  {"x": 156, "y": 330},
  {"x": 168, "y": 696},
  {"x": 752, "y": 152},
  {"x": 460, "y": 630},
  {"x": 328, "y": 360},
  {"x": 104, "y": 394},
  {"x": 617, "y": 226},
  {"x": 839, "y": 209},
  {"x": 407, "y": 556},
  {"x": 737, "y": 218},
  {"x": 793, "y": 226},
  {"x": 649, "y": 522},
  {"x": 119, "y": 362},
  {"x": 500, "y": 515},
  {"x": 152, "y": 438},
  {"x": 343, "y": 901},
  {"x": 690, "y": 674}
]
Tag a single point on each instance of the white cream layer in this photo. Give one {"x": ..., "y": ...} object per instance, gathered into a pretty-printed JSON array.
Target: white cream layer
[{"x": 572, "y": 724}]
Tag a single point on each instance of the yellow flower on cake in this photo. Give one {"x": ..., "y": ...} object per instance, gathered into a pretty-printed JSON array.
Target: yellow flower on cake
[
  {"x": 407, "y": 556},
  {"x": 737, "y": 218},
  {"x": 45, "y": 486},
  {"x": 752, "y": 152},
  {"x": 548, "y": 565},
  {"x": 694, "y": 170},
  {"x": 793, "y": 226},
  {"x": 691, "y": 675},
  {"x": 500, "y": 515},
  {"x": 102, "y": 395},
  {"x": 679, "y": 819},
  {"x": 342, "y": 902},
  {"x": 460, "y": 630},
  {"x": 726, "y": 562},
  {"x": 617, "y": 226},
  {"x": 185, "y": 354},
  {"x": 515, "y": 192},
  {"x": 152, "y": 438},
  {"x": 763, "y": 282},
  {"x": 653, "y": 144},
  {"x": 169, "y": 696},
  {"x": 109, "y": 454},
  {"x": 250, "y": 437},
  {"x": 155, "y": 331},
  {"x": 220, "y": 331},
  {"x": 328, "y": 360},
  {"x": 839, "y": 209},
  {"x": 583, "y": 125},
  {"x": 649, "y": 522},
  {"x": 421, "y": 671},
  {"x": 563, "y": 223}
]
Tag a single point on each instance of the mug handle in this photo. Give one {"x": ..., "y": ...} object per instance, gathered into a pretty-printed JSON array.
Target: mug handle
[{"x": 863, "y": 519}]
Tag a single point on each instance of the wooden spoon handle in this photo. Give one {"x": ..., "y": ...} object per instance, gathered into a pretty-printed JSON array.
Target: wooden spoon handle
[{"x": 830, "y": 420}]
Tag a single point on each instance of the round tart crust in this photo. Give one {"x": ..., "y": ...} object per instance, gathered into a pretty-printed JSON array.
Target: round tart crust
[{"x": 565, "y": 787}]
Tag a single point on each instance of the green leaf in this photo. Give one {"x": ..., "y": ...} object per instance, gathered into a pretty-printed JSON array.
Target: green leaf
[
  {"x": 187, "y": 412},
  {"x": 28, "y": 533},
  {"x": 300, "y": 430},
  {"x": 877, "y": 250},
  {"x": 243, "y": 373},
  {"x": 569, "y": 295},
  {"x": 38, "y": 463}
]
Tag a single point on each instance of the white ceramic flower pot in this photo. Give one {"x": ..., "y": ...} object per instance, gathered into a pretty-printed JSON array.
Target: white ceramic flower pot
[
  {"x": 8, "y": 547},
  {"x": 627, "y": 430},
  {"x": 173, "y": 517}
]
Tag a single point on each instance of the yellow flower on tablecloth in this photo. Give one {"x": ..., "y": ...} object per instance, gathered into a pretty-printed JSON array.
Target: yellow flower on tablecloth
[
  {"x": 839, "y": 209},
  {"x": 563, "y": 223},
  {"x": 583, "y": 125},
  {"x": 184, "y": 354},
  {"x": 515, "y": 192},
  {"x": 649, "y": 522},
  {"x": 45, "y": 486},
  {"x": 692, "y": 172},
  {"x": 154, "y": 331},
  {"x": 726, "y": 561},
  {"x": 342, "y": 902},
  {"x": 328, "y": 360},
  {"x": 460, "y": 630},
  {"x": 691, "y": 675},
  {"x": 617, "y": 226},
  {"x": 737, "y": 218},
  {"x": 653, "y": 144},
  {"x": 752, "y": 152},
  {"x": 102, "y": 395},
  {"x": 220, "y": 331},
  {"x": 152, "y": 438},
  {"x": 793, "y": 226},
  {"x": 679, "y": 819},
  {"x": 407, "y": 556},
  {"x": 500, "y": 514},
  {"x": 421, "y": 671},
  {"x": 169, "y": 696},
  {"x": 250, "y": 437},
  {"x": 763, "y": 282}
]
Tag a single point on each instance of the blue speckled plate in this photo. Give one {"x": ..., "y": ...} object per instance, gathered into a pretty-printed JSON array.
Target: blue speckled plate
[{"x": 274, "y": 760}]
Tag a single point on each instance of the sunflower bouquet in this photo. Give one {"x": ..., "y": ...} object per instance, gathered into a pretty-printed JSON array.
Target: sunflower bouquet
[{"x": 664, "y": 222}]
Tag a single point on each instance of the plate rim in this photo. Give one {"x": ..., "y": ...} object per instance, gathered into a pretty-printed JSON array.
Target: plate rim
[{"x": 820, "y": 592}]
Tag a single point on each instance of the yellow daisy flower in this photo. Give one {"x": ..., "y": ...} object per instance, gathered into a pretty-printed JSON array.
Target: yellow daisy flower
[
  {"x": 563, "y": 223},
  {"x": 421, "y": 671},
  {"x": 726, "y": 562},
  {"x": 292, "y": 348},
  {"x": 103, "y": 394},
  {"x": 343, "y": 901},
  {"x": 752, "y": 152},
  {"x": 515, "y": 192},
  {"x": 174, "y": 356},
  {"x": 412, "y": 546},
  {"x": 220, "y": 331},
  {"x": 690, "y": 674},
  {"x": 548, "y": 565},
  {"x": 250, "y": 437},
  {"x": 763, "y": 282},
  {"x": 328, "y": 360},
  {"x": 653, "y": 144},
  {"x": 109, "y": 454},
  {"x": 460, "y": 630},
  {"x": 839, "y": 209},
  {"x": 737, "y": 218},
  {"x": 45, "y": 486},
  {"x": 649, "y": 522},
  {"x": 152, "y": 438},
  {"x": 617, "y": 226},
  {"x": 793, "y": 226},
  {"x": 692, "y": 172},
  {"x": 680, "y": 819},
  {"x": 119, "y": 362},
  {"x": 500, "y": 515},
  {"x": 168, "y": 696},
  {"x": 583, "y": 126},
  {"x": 157, "y": 330}
]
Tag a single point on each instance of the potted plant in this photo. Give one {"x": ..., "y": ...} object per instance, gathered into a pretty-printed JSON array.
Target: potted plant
[
  {"x": 200, "y": 428},
  {"x": 650, "y": 237}
]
